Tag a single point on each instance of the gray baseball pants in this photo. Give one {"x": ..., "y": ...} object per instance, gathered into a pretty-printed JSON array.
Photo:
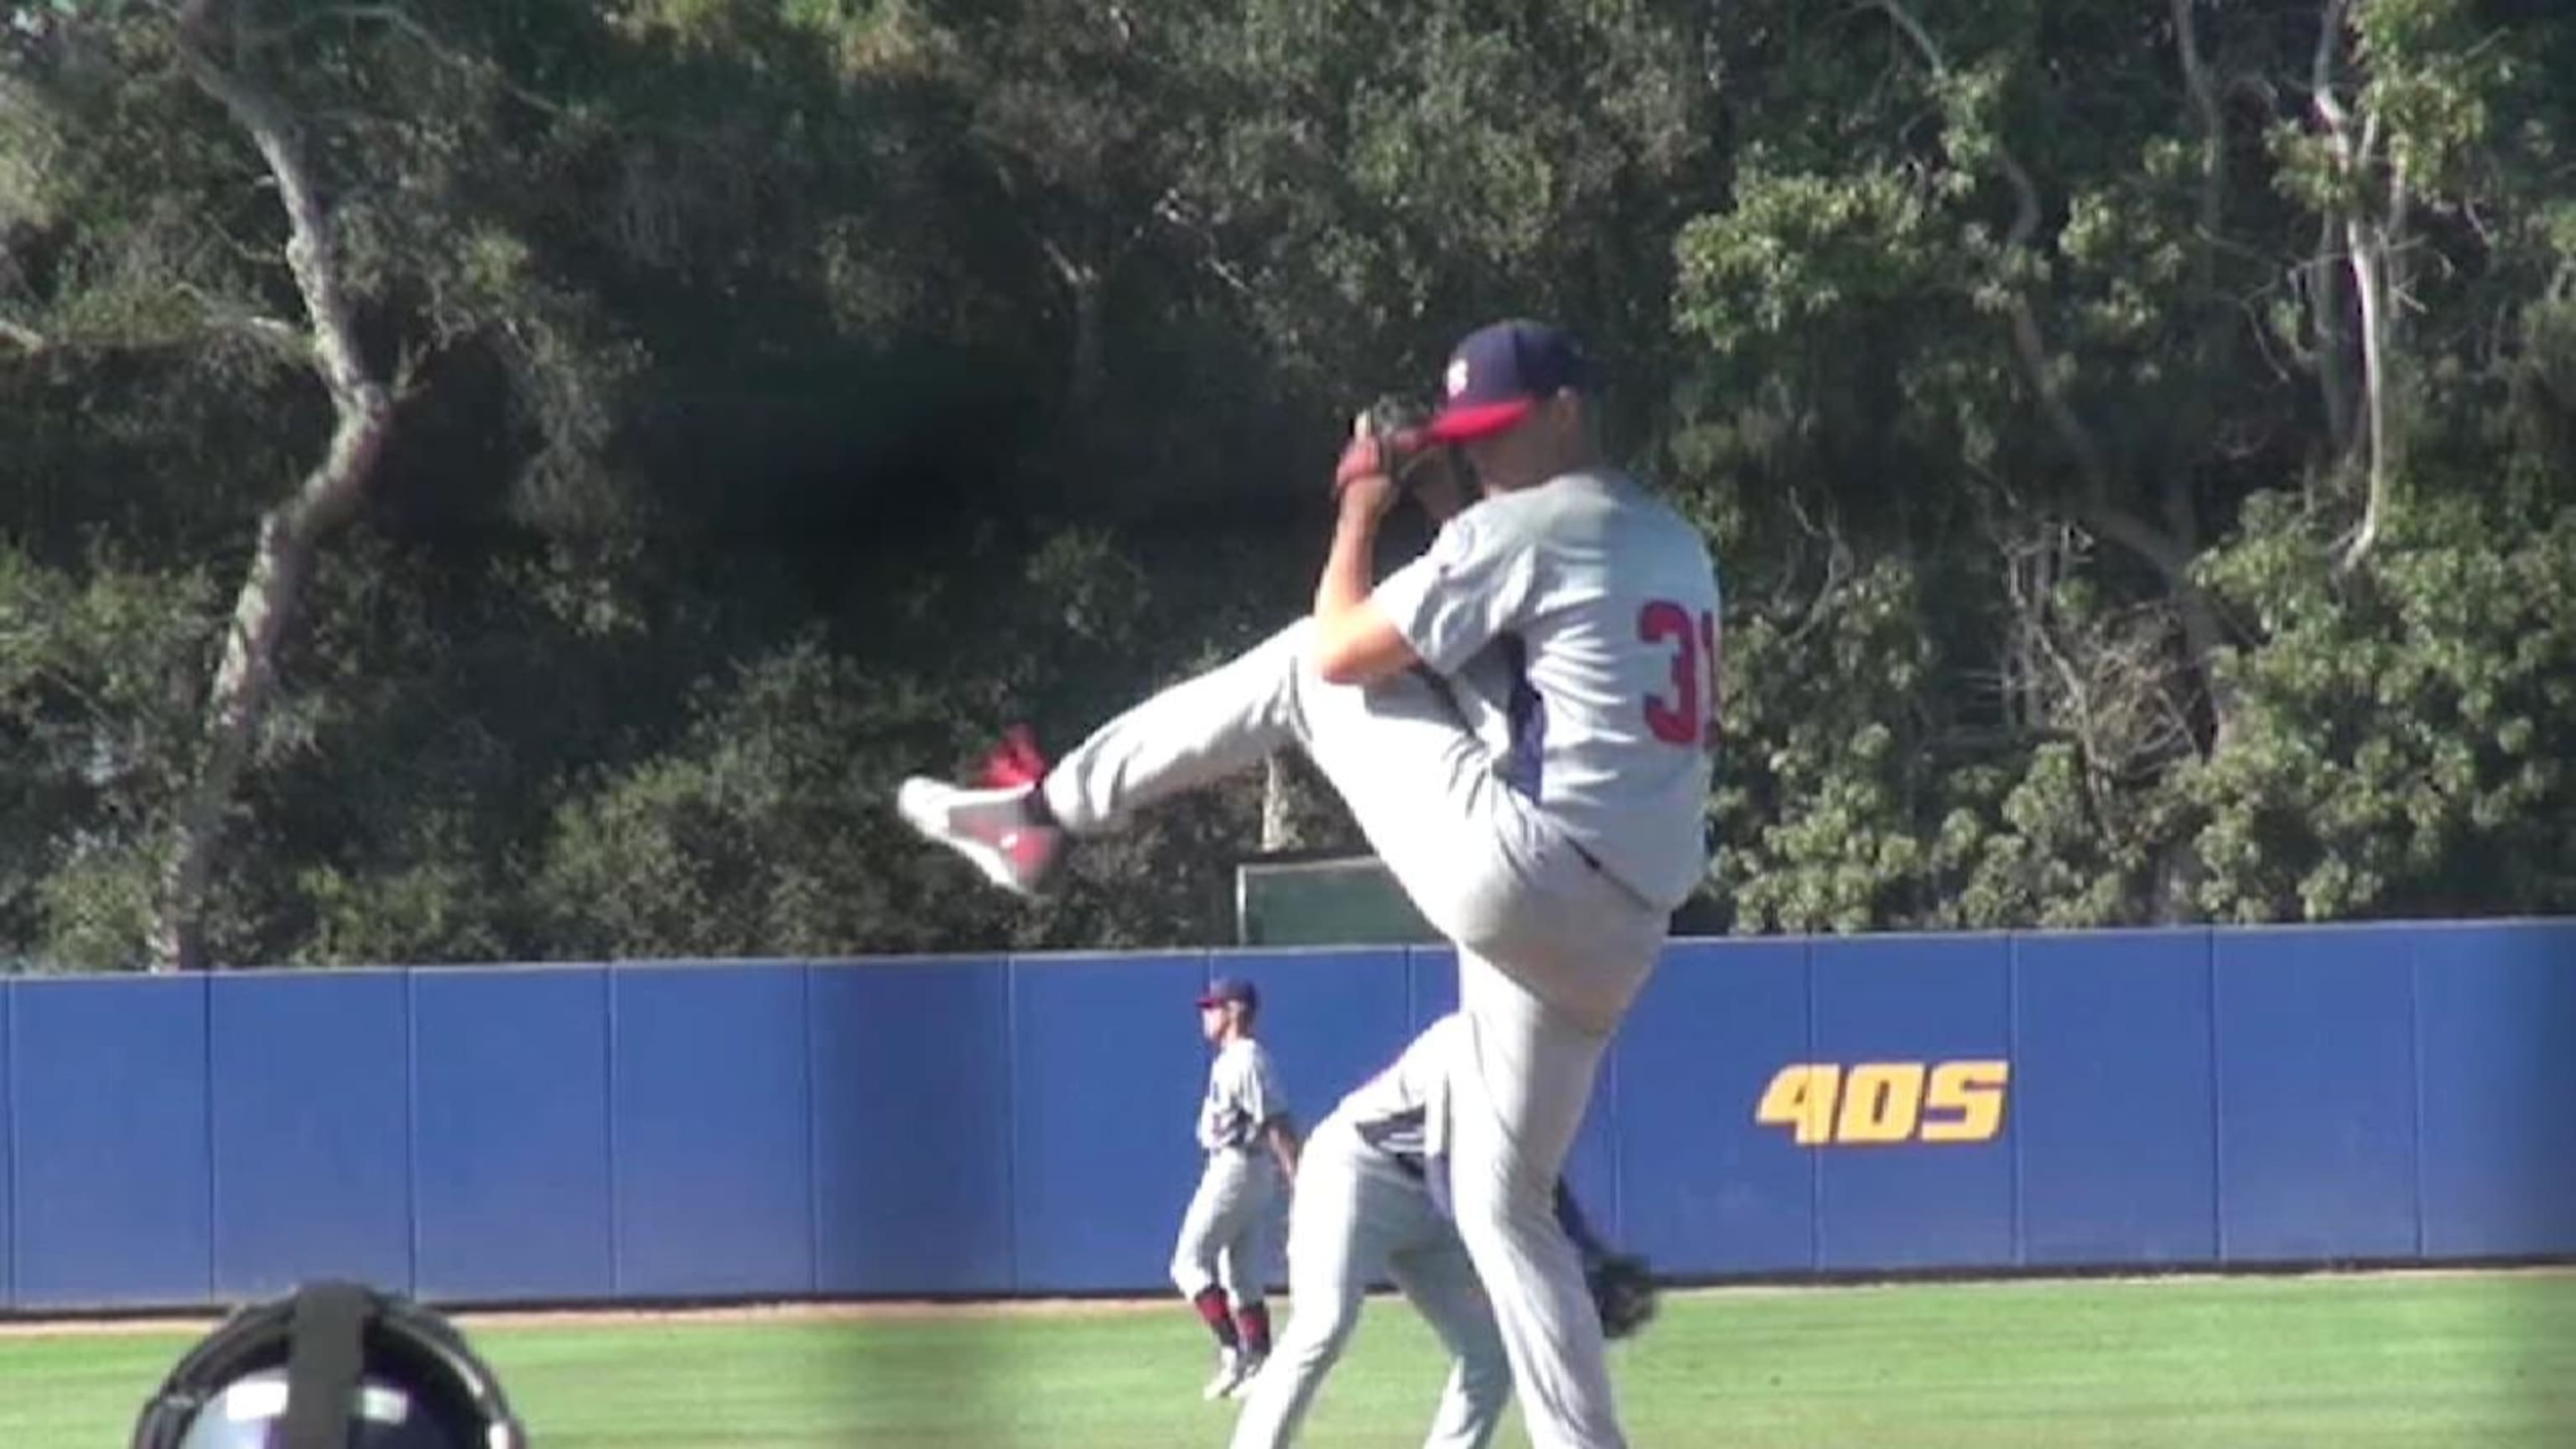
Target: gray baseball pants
[
  {"x": 1228, "y": 1237},
  {"x": 1358, "y": 1216}
]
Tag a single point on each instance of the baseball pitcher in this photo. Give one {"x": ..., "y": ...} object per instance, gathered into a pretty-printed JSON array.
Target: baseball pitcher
[{"x": 1553, "y": 861}]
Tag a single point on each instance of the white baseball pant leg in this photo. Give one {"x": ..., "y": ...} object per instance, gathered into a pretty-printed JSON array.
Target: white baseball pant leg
[
  {"x": 1244, "y": 1265},
  {"x": 1551, "y": 953},
  {"x": 1356, "y": 1214},
  {"x": 1224, "y": 1236},
  {"x": 1475, "y": 859},
  {"x": 1514, "y": 1108}
]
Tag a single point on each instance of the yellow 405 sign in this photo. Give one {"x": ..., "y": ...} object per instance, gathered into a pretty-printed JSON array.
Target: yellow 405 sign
[{"x": 1869, "y": 1102}]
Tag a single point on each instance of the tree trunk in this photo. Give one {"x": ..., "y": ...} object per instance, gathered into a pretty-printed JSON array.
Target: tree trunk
[
  {"x": 2334, "y": 369},
  {"x": 1083, "y": 286},
  {"x": 1278, "y": 825},
  {"x": 2369, "y": 284},
  {"x": 2371, "y": 248},
  {"x": 291, "y": 532},
  {"x": 2189, "y": 441}
]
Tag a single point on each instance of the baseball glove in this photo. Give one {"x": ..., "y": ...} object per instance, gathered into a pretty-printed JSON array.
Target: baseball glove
[
  {"x": 1623, "y": 1291},
  {"x": 1387, "y": 439}
]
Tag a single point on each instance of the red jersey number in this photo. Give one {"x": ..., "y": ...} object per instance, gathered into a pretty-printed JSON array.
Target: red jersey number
[{"x": 1688, "y": 715}]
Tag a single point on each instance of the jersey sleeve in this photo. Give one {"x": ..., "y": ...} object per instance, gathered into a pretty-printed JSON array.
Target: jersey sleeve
[{"x": 1472, "y": 584}]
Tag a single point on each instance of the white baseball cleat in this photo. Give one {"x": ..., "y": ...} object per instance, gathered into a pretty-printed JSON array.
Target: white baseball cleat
[
  {"x": 991, "y": 828},
  {"x": 994, "y": 826},
  {"x": 1232, "y": 1368},
  {"x": 1250, "y": 1370}
]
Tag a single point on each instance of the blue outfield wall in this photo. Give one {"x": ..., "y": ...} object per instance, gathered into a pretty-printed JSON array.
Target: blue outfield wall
[{"x": 984, "y": 1126}]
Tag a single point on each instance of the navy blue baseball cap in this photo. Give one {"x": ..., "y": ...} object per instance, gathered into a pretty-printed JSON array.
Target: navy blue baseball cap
[
  {"x": 1228, "y": 988},
  {"x": 1498, "y": 373}
]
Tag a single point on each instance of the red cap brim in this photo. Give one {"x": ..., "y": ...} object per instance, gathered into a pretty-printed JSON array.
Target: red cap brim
[{"x": 1477, "y": 420}]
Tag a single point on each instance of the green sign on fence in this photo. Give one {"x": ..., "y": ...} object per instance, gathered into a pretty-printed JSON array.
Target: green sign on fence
[{"x": 1297, "y": 900}]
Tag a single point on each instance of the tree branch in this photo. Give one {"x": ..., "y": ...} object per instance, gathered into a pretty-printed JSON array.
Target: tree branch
[
  {"x": 1171, "y": 209},
  {"x": 2181, "y": 512},
  {"x": 226, "y": 315},
  {"x": 269, "y": 330},
  {"x": 2325, "y": 311},
  {"x": 2197, "y": 83},
  {"x": 2030, "y": 344},
  {"x": 358, "y": 398},
  {"x": 2321, "y": 67}
]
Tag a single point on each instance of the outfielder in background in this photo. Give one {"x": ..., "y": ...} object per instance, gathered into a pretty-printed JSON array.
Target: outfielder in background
[
  {"x": 1228, "y": 1237},
  {"x": 1521, "y": 722},
  {"x": 1364, "y": 1213}
]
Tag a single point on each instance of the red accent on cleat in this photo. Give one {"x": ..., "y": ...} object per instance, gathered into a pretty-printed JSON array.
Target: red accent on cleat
[{"x": 1017, "y": 761}]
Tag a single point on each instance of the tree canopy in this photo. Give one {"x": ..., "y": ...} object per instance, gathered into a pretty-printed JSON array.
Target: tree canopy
[{"x": 520, "y": 479}]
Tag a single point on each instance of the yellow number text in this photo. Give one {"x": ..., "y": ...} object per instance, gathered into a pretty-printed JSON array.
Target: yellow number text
[{"x": 1867, "y": 1103}]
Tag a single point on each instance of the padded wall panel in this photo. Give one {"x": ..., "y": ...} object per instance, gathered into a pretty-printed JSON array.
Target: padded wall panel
[
  {"x": 912, "y": 1126},
  {"x": 1703, "y": 1188},
  {"x": 2114, "y": 1117},
  {"x": 746, "y": 1129},
  {"x": 1433, "y": 973},
  {"x": 1892, "y": 1015},
  {"x": 311, "y": 1082},
  {"x": 112, "y": 1180},
  {"x": 711, "y": 1121},
  {"x": 510, "y": 1152},
  {"x": 1108, "y": 1071},
  {"x": 2316, "y": 1094},
  {"x": 1592, "y": 1168},
  {"x": 2496, "y": 1034}
]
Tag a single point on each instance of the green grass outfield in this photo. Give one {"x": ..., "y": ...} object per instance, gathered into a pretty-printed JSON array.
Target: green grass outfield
[{"x": 2441, "y": 1361}]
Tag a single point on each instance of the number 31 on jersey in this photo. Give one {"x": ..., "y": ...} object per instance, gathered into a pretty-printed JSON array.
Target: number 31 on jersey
[{"x": 1687, "y": 715}]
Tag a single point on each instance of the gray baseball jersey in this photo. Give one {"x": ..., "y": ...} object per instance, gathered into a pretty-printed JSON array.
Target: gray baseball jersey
[
  {"x": 1243, "y": 1095},
  {"x": 1600, "y": 605}
]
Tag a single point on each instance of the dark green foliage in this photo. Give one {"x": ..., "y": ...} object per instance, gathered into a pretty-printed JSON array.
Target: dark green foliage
[{"x": 793, "y": 394}]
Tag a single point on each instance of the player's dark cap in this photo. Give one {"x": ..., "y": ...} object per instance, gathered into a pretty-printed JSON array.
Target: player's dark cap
[
  {"x": 1498, "y": 373},
  {"x": 1227, "y": 988}
]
